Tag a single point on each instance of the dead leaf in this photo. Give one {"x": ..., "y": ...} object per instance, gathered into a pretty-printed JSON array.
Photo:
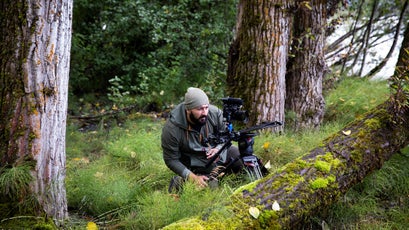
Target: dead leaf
[
  {"x": 347, "y": 132},
  {"x": 276, "y": 206},
  {"x": 268, "y": 165},
  {"x": 176, "y": 197},
  {"x": 254, "y": 212}
]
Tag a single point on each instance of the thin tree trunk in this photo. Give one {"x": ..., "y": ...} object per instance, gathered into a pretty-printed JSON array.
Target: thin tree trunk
[
  {"x": 353, "y": 36},
  {"x": 368, "y": 35},
  {"x": 378, "y": 68}
]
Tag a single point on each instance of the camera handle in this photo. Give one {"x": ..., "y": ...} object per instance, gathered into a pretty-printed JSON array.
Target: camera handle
[{"x": 225, "y": 146}]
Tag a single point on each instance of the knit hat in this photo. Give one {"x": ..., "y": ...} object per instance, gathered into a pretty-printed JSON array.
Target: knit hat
[{"x": 195, "y": 97}]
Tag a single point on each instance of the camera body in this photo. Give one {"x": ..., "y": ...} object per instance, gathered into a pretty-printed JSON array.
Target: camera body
[{"x": 233, "y": 110}]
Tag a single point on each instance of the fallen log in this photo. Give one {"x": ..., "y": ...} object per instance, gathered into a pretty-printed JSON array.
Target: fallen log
[{"x": 311, "y": 183}]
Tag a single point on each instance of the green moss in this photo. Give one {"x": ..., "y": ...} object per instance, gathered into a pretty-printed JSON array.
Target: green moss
[
  {"x": 336, "y": 163},
  {"x": 268, "y": 219},
  {"x": 296, "y": 165},
  {"x": 249, "y": 187},
  {"x": 29, "y": 222},
  {"x": 325, "y": 163},
  {"x": 319, "y": 183},
  {"x": 327, "y": 157},
  {"x": 322, "y": 166},
  {"x": 331, "y": 179},
  {"x": 322, "y": 182},
  {"x": 373, "y": 123}
]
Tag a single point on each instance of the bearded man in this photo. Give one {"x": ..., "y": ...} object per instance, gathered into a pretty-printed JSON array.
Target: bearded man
[{"x": 184, "y": 137}]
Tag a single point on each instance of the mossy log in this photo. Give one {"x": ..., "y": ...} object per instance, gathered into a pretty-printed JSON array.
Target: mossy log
[{"x": 311, "y": 183}]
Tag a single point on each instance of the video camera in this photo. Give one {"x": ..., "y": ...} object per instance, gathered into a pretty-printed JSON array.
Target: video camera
[{"x": 232, "y": 110}]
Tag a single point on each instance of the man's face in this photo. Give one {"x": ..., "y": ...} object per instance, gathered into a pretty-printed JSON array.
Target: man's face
[{"x": 199, "y": 115}]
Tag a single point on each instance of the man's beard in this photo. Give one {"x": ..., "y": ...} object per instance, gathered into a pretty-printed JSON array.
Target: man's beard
[{"x": 201, "y": 121}]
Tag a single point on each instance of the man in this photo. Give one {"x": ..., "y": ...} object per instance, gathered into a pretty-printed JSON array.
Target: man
[{"x": 183, "y": 140}]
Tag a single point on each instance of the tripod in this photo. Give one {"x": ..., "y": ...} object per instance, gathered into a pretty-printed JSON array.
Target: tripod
[{"x": 245, "y": 139}]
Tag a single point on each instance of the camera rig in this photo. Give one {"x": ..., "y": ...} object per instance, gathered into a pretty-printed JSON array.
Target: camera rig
[{"x": 232, "y": 110}]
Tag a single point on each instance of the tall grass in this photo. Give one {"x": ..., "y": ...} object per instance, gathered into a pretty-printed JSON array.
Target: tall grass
[{"x": 117, "y": 177}]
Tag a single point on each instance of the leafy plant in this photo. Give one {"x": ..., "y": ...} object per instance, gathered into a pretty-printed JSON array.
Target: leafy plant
[{"x": 15, "y": 189}]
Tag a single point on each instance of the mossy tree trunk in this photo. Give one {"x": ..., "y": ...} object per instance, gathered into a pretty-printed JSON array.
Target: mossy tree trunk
[
  {"x": 258, "y": 57},
  {"x": 306, "y": 66},
  {"x": 35, "y": 44}
]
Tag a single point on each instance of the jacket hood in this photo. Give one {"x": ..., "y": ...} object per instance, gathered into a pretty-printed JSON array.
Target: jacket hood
[{"x": 178, "y": 116}]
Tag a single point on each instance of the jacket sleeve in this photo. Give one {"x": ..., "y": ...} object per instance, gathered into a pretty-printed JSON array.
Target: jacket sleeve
[
  {"x": 171, "y": 153},
  {"x": 219, "y": 126}
]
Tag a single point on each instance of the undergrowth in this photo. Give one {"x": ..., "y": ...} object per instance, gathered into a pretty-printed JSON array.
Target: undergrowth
[{"x": 116, "y": 178}]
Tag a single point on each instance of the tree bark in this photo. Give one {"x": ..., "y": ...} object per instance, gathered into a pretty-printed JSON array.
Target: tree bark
[
  {"x": 306, "y": 67},
  {"x": 316, "y": 180},
  {"x": 36, "y": 42},
  {"x": 258, "y": 57}
]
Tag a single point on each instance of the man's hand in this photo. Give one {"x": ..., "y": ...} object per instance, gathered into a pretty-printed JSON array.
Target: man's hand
[
  {"x": 200, "y": 180},
  {"x": 211, "y": 153}
]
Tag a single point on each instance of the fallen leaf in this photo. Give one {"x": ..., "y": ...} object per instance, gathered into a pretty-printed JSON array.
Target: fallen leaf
[
  {"x": 276, "y": 206},
  {"x": 175, "y": 197},
  {"x": 268, "y": 165},
  {"x": 254, "y": 212},
  {"x": 346, "y": 133}
]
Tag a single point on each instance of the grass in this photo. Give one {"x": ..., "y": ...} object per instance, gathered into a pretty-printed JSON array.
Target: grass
[{"x": 116, "y": 178}]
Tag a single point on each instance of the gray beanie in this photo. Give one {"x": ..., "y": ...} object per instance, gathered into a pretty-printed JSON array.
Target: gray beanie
[{"x": 195, "y": 97}]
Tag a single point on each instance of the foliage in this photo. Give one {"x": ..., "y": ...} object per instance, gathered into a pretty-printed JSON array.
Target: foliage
[
  {"x": 150, "y": 51},
  {"x": 15, "y": 193}
]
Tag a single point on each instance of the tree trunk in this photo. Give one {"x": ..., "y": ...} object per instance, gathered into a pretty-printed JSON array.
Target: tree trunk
[
  {"x": 258, "y": 57},
  {"x": 316, "y": 180},
  {"x": 306, "y": 67},
  {"x": 35, "y": 44}
]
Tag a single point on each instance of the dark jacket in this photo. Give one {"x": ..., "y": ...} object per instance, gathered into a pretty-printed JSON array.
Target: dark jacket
[{"x": 183, "y": 147}]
